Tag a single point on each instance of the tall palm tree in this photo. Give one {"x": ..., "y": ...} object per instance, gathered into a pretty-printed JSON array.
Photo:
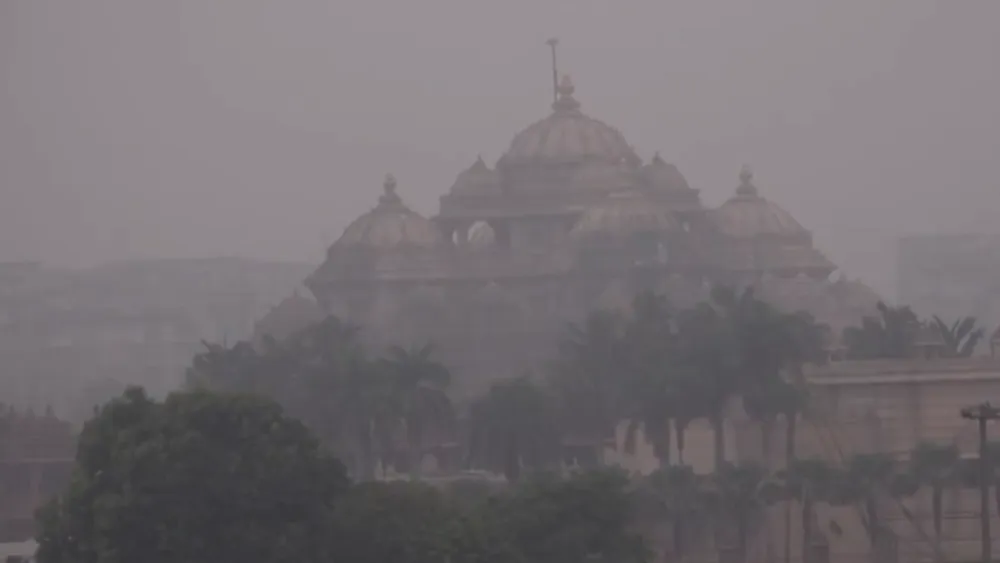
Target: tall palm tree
[
  {"x": 649, "y": 380},
  {"x": 961, "y": 337},
  {"x": 512, "y": 428},
  {"x": 866, "y": 479},
  {"x": 808, "y": 481},
  {"x": 418, "y": 388},
  {"x": 587, "y": 378},
  {"x": 342, "y": 393},
  {"x": 890, "y": 335},
  {"x": 707, "y": 349},
  {"x": 740, "y": 494},
  {"x": 937, "y": 468},
  {"x": 680, "y": 496}
]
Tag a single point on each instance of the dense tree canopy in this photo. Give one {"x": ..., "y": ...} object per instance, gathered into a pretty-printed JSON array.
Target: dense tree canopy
[{"x": 199, "y": 477}]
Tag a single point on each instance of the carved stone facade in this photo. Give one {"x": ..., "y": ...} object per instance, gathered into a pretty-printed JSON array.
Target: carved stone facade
[{"x": 568, "y": 220}]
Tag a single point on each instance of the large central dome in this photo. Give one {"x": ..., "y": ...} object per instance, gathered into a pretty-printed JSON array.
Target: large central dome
[{"x": 567, "y": 137}]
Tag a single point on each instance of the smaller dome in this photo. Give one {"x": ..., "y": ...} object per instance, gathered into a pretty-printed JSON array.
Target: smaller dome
[
  {"x": 390, "y": 226},
  {"x": 477, "y": 178},
  {"x": 660, "y": 175},
  {"x": 292, "y": 315},
  {"x": 747, "y": 215},
  {"x": 622, "y": 214}
]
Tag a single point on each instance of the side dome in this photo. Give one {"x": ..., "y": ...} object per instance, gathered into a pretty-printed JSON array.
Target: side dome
[
  {"x": 660, "y": 175},
  {"x": 292, "y": 315},
  {"x": 622, "y": 214},
  {"x": 747, "y": 215},
  {"x": 477, "y": 178},
  {"x": 391, "y": 226},
  {"x": 568, "y": 136}
]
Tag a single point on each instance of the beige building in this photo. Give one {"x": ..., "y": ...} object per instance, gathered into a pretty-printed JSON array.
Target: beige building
[{"x": 569, "y": 219}]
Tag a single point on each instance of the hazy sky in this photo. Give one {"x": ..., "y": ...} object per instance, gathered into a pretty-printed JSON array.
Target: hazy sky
[{"x": 149, "y": 128}]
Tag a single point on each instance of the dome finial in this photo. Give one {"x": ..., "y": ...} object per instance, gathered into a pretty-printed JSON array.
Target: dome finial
[
  {"x": 746, "y": 182},
  {"x": 565, "y": 100},
  {"x": 657, "y": 159},
  {"x": 389, "y": 194}
]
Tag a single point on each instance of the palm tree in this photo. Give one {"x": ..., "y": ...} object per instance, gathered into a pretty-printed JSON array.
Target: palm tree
[
  {"x": 809, "y": 481},
  {"x": 961, "y": 337},
  {"x": 866, "y": 479},
  {"x": 418, "y": 387},
  {"x": 740, "y": 494},
  {"x": 587, "y": 378},
  {"x": 765, "y": 403},
  {"x": 341, "y": 393},
  {"x": 707, "y": 350},
  {"x": 890, "y": 335},
  {"x": 650, "y": 393},
  {"x": 936, "y": 467},
  {"x": 677, "y": 494},
  {"x": 513, "y": 427},
  {"x": 225, "y": 368}
]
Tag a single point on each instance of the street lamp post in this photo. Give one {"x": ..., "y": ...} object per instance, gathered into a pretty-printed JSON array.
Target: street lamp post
[{"x": 982, "y": 414}]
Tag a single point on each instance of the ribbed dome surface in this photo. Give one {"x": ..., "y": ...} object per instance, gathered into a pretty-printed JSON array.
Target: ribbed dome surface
[
  {"x": 568, "y": 136},
  {"x": 390, "y": 226},
  {"x": 622, "y": 214},
  {"x": 661, "y": 175},
  {"x": 748, "y": 216},
  {"x": 477, "y": 178}
]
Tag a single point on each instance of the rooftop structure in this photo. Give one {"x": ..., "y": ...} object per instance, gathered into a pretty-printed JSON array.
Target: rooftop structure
[{"x": 569, "y": 218}]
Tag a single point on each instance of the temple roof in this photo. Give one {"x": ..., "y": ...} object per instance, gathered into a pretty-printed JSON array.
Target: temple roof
[
  {"x": 568, "y": 136},
  {"x": 621, "y": 214},
  {"x": 477, "y": 178},
  {"x": 747, "y": 215},
  {"x": 661, "y": 175},
  {"x": 391, "y": 225}
]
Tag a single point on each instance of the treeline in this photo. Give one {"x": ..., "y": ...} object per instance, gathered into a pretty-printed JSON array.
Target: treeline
[
  {"x": 245, "y": 474},
  {"x": 204, "y": 478},
  {"x": 659, "y": 368}
]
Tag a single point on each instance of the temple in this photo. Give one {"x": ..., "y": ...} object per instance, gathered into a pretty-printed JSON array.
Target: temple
[{"x": 568, "y": 220}]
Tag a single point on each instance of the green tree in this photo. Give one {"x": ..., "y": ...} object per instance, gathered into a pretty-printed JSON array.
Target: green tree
[
  {"x": 707, "y": 350},
  {"x": 936, "y": 467},
  {"x": 201, "y": 478},
  {"x": 652, "y": 383},
  {"x": 740, "y": 493},
  {"x": 514, "y": 427},
  {"x": 808, "y": 481},
  {"x": 411, "y": 522},
  {"x": 866, "y": 478},
  {"x": 961, "y": 337},
  {"x": 588, "y": 516},
  {"x": 586, "y": 379},
  {"x": 890, "y": 335},
  {"x": 418, "y": 387},
  {"x": 679, "y": 496}
]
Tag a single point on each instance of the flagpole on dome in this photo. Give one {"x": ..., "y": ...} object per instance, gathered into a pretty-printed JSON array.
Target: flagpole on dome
[{"x": 555, "y": 71}]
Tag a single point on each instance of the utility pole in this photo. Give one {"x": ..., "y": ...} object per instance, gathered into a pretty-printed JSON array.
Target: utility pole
[
  {"x": 982, "y": 414},
  {"x": 555, "y": 71}
]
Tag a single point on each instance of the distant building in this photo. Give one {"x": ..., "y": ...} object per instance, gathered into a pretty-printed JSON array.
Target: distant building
[
  {"x": 36, "y": 459},
  {"x": 951, "y": 275},
  {"x": 70, "y": 338}
]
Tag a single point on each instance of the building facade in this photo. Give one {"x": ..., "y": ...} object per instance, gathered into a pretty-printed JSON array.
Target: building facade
[{"x": 569, "y": 219}]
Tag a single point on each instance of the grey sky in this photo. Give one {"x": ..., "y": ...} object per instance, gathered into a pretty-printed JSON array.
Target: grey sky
[{"x": 146, "y": 128}]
